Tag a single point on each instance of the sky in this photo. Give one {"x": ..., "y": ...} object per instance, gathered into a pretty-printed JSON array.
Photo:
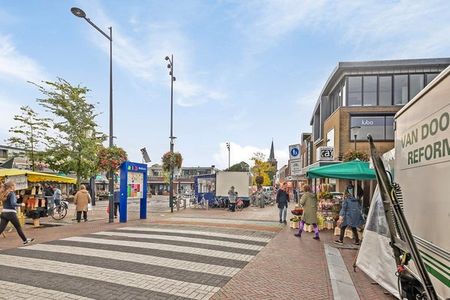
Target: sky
[{"x": 247, "y": 72}]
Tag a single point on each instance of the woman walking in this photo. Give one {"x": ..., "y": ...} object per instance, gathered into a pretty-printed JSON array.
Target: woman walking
[
  {"x": 81, "y": 200},
  {"x": 350, "y": 215},
  {"x": 309, "y": 204},
  {"x": 9, "y": 214}
]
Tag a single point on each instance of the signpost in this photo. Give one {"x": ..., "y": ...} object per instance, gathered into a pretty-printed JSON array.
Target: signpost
[
  {"x": 294, "y": 151},
  {"x": 133, "y": 185},
  {"x": 295, "y": 166}
]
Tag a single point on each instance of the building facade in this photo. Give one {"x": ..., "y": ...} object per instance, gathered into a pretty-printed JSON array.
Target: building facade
[{"x": 361, "y": 98}]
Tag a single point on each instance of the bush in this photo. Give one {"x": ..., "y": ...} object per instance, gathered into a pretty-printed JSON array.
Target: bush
[{"x": 352, "y": 155}]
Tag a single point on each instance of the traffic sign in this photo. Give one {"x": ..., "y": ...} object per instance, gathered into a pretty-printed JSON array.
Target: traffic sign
[{"x": 294, "y": 151}]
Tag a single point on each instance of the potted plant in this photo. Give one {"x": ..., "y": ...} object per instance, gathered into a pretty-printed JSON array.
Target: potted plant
[
  {"x": 111, "y": 158},
  {"x": 171, "y": 161}
]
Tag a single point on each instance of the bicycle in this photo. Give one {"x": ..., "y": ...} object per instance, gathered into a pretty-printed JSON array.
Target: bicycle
[{"x": 59, "y": 212}]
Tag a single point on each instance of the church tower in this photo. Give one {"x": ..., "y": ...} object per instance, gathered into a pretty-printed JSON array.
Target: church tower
[{"x": 272, "y": 159}]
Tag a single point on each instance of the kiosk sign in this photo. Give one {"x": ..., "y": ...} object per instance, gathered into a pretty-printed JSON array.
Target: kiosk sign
[{"x": 133, "y": 185}]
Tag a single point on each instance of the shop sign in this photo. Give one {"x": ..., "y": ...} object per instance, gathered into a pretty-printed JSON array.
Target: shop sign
[
  {"x": 294, "y": 151},
  {"x": 295, "y": 166},
  {"x": 325, "y": 153},
  {"x": 20, "y": 181}
]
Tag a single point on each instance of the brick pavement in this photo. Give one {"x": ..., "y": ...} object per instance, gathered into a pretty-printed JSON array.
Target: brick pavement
[{"x": 287, "y": 268}]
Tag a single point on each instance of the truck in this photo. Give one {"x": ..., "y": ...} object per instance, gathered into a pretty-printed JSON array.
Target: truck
[
  {"x": 216, "y": 185},
  {"x": 422, "y": 169}
]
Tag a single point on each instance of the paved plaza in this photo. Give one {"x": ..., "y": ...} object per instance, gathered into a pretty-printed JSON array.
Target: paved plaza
[{"x": 191, "y": 254}]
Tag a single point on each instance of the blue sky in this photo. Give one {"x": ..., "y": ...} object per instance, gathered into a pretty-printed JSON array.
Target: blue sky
[{"x": 247, "y": 71}]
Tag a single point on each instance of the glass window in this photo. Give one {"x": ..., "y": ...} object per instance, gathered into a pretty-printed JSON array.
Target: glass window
[
  {"x": 415, "y": 84},
  {"x": 370, "y": 91},
  {"x": 385, "y": 90},
  {"x": 431, "y": 76},
  {"x": 373, "y": 125},
  {"x": 354, "y": 91},
  {"x": 389, "y": 128},
  {"x": 400, "y": 89}
]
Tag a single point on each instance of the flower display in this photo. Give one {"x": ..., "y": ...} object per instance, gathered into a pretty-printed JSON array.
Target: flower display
[
  {"x": 111, "y": 158},
  {"x": 171, "y": 160}
]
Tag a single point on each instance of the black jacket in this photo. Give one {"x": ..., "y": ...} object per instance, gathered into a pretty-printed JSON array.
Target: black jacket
[{"x": 282, "y": 198}]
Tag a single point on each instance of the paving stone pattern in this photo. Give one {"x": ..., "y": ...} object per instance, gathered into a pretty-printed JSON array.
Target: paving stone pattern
[{"x": 142, "y": 262}]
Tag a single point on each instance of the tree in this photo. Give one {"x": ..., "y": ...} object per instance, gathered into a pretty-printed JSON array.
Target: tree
[
  {"x": 75, "y": 143},
  {"x": 30, "y": 133},
  {"x": 240, "y": 167},
  {"x": 261, "y": 170},
  {"x": 353, "y": 154}
]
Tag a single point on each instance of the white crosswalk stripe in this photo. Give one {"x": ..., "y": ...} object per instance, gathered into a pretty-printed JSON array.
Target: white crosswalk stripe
[
  {"x": 142, "y": 259},
  {"x": 182, "y": 230},
  {"x": 12, "y": 290},
  {"x": 165, "y": 247},
  {"x": 182, "y": 239},
  {"x": 142, "y": 281},
  {"x": 129, "y": 262}
]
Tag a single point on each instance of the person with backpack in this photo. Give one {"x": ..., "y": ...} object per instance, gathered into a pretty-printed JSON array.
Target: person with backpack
[{"x": 9, "y": 213}]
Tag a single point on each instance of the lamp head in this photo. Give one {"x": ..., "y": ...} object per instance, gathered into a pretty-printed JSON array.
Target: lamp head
[
  {"x": 167, "y": 58},
  {"x": 78, "y": 12},
  {"x": 169, "y": 66},
  {"x": 174, "y": 78}
]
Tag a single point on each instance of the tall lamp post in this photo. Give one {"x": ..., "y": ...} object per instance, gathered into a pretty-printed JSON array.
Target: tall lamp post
[
  {"x": 228, "y": 147},
  {"x": 81, "y": 14},
  {"x": 172, "y": 79},
  {"x": 355, "y": 130}
]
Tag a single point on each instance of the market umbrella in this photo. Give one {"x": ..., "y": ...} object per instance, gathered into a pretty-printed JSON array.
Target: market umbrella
[{"x": 352, "y": 170}]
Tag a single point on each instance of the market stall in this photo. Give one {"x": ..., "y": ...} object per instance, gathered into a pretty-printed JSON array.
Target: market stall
[
  {"x": 330, "y": 201},
  {"x": 29, "y": 186}
]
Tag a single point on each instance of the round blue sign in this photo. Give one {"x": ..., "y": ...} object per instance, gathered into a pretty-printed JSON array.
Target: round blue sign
[{"x": 294, "y": 151}]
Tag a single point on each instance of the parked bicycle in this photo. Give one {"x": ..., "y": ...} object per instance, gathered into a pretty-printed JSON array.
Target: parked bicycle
[{"x": 59, "y": 212}]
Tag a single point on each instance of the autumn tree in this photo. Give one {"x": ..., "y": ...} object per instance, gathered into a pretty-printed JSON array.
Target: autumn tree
[
  {"x": 261, "y": 170},
  {"x": 239, "y": 167},
  {"x": 30, "y": 133},
  {"x": 75, "y": 142}
]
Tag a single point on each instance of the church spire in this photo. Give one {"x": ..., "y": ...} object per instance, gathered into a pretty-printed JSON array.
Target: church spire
[{"x": 272, "y": 153}]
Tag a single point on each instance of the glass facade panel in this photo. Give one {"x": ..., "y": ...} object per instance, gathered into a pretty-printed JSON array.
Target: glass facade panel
[
  {"x": 415, "y": 84},
  {"x": 389, "y": 127},
  {"x": 385, "y": 90},
  {"x": 354, "y": 91},
  {"x": 380, "y": 127},
  {"x": 370, "y": 91},
  {"x": 430, "y": 77},
  {"x": 400, "y": 89}
]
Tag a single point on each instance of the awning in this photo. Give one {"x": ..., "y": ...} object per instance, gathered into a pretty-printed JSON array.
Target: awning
[
  {"x": 36, "y": 176},
  {"x": 352, "y": 170}
]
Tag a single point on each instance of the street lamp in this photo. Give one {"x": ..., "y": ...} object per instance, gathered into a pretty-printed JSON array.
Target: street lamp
[
  {"x": 81, "y": 14},
  {"x": 228, "y": 147},
  {"x": 172, "y": 79},
  {"x": 355, "y": 130}
]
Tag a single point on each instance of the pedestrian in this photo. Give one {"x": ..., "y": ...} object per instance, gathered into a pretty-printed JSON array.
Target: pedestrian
[
  {"x": 309, "y": 203},
  {"x": 116, "y": 201},
  {"x": 295, "y": 195},
  {"x": 48, "y": 194},
  {"x": 81, "y": 200},
  {"x": 350, "y": 215},
  {"x": 9, "y": 213},
  {"x": 57, "y": 196},
  {"x": 282, "y": 201},
  {"x": 232, "y": 195}
]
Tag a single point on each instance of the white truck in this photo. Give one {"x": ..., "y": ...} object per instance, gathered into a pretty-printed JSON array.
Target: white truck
[{"x": 422, "y": 168}]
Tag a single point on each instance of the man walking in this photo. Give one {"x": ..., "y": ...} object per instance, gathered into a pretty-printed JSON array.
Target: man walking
[
  {"x": 232, "y": 195},
  {"x": 57, "y": 195},
  {"x": 282, "y": 201}
]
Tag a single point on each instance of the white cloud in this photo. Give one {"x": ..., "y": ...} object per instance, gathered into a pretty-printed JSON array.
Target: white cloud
[
  {"x": 144, "y": 58},
  {"x": 14, "y": 65},
  {"x": 240, "y": 153},
  {"x": 9, "y": 109}
]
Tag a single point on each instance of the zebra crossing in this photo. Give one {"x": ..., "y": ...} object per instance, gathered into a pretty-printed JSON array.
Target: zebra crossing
[{"x": 140, "y": 262}]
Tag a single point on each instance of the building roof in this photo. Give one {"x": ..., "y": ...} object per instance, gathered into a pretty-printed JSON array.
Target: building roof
[{"x": 272, "y": 153}]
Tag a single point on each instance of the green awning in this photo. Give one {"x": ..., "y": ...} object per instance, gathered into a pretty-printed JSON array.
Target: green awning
[{"x": 353, "y": 170}]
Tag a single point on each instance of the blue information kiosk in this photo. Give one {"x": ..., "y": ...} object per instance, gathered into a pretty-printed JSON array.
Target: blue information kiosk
[{"x": 133, "y": 185}]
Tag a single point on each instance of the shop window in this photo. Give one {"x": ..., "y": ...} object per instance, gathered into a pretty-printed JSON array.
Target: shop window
[
  {"x": 370, "y": 91},
  {"x": 400, "y": 89},
  {"x": 385, "y": 90},
  {"x": 415, "y": 84},
  {"x": 354, "y": 97},
  {"x": 380, "y": 127}
]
